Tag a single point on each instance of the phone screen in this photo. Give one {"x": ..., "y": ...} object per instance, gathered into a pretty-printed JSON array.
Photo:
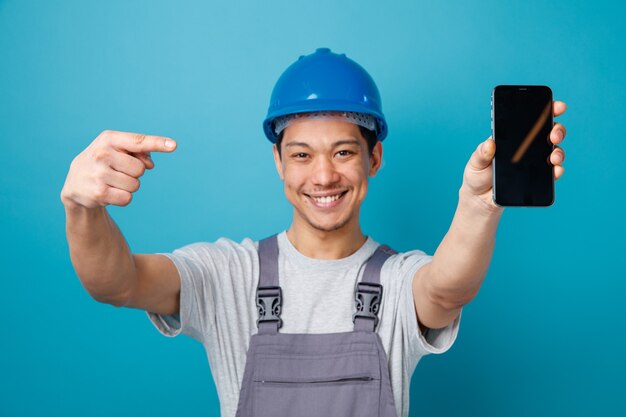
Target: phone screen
[{"x": 522, "y": 121}]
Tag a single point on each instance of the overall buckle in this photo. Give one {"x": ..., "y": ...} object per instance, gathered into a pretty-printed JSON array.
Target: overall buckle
[
  {"x": 268, "y": 302},
  {"x": 367, "y": 299}
]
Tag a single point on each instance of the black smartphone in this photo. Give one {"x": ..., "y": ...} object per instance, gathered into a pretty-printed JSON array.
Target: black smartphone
[{"x": 521, "y": 122}]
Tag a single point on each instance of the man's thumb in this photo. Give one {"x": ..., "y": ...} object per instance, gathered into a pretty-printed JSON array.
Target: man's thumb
[
  {"x": 484, "y": 154},
  {"x": 145, "y": 158}
]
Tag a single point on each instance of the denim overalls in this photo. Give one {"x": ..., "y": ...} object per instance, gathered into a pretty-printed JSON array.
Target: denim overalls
[{"x": 316, "y": 375}]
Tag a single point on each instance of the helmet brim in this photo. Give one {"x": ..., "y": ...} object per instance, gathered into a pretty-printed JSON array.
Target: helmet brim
[{"x": 309, "y": 106}]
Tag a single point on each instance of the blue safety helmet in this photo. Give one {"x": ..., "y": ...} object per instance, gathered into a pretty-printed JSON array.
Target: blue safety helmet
[{"x": 324, "y": 81}]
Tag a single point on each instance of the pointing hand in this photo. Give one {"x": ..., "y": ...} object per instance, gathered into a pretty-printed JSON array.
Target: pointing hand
[{"x": 108, "y": 170}]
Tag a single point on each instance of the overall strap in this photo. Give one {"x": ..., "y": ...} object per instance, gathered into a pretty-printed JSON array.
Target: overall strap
[
  {"x": 269, "y": 296},
  {"x": 369, "y": 293}
]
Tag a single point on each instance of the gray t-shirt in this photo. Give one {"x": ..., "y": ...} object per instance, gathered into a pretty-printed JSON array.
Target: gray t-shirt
[{"x": 218, "y": 307}]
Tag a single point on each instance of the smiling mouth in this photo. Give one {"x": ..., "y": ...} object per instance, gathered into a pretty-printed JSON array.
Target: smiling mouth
[{"x": 327, "y": 201}]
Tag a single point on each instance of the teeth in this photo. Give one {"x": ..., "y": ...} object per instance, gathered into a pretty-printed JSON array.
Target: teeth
[{"x": 327, "y": 199}]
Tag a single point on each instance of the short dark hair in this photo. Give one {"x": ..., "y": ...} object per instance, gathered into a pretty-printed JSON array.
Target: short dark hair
[{"x": 368, "y": 135}]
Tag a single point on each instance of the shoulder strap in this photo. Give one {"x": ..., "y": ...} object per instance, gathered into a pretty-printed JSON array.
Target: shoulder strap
[
  {"x": 369, "y": 293},
  {"x": 269, "y": 296}
]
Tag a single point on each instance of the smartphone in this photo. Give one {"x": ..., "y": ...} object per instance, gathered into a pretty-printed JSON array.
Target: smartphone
[{"x": 521, "y": 122}]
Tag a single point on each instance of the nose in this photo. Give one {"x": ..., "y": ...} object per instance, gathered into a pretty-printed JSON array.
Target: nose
[{"x": 324, "y": 172}]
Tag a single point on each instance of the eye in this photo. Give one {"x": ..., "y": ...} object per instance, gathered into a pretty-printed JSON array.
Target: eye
[
  {"x": 299, "y": 155},
  {"x": 345, "y": 153}
]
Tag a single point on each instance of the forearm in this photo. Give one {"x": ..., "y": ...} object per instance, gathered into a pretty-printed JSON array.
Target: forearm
[
  {"x": 99, "y": 253},
  {"x": 463, "y": 257}
]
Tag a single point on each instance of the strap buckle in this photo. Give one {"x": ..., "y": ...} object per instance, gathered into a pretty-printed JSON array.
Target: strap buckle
[
  {"x": 268, "y": 302},
  {"x": 367, "y": 299}
]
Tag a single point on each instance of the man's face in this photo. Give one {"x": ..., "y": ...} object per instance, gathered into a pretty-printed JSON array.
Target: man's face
[{"x": 325, "y": 166}]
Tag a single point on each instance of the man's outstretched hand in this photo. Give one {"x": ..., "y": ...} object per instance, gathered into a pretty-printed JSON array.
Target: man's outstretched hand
[
  {"x": 477, "y": 178},
  {"x": 108, "y": 170}
]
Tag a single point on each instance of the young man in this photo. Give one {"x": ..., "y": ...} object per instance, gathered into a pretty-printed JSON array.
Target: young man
[{"x": 300, "y": 349}]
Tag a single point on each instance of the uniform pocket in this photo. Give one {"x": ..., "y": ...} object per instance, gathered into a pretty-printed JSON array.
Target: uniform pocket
[{"x": 339, "y": 385}]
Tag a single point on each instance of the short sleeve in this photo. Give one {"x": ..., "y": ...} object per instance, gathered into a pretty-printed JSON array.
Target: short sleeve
[
  {"x": 435, "y": 340},
  {"x": 196, "y": 294}
]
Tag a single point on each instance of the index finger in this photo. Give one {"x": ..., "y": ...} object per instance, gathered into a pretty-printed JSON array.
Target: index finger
[
  {"x": 138, "y": 142},
  {"x": 559, "y": 108}
]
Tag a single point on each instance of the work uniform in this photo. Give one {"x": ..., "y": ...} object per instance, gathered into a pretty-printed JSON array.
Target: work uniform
[{"x": 219, "y": 307}]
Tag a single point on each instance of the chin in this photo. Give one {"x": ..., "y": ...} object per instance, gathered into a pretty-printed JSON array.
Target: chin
[{"x": 327, "y": 226}]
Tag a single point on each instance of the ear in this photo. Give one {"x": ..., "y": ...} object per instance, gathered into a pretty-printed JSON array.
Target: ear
[
  {"x": 376, "y": 159},
  {"x": 278, "y": 162}
]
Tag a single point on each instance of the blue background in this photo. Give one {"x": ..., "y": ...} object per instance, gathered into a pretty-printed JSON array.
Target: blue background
[{"x": 544, "y": 337}]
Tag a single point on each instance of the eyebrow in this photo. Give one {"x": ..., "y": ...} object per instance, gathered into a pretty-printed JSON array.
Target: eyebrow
[{"x": 338, "y": 143}]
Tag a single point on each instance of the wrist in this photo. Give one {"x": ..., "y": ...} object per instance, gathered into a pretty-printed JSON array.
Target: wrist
[
  {"x": 69, "y": 203},
  {"x": 479, "y": 204},
  {"x": 75, "y": 208}
]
